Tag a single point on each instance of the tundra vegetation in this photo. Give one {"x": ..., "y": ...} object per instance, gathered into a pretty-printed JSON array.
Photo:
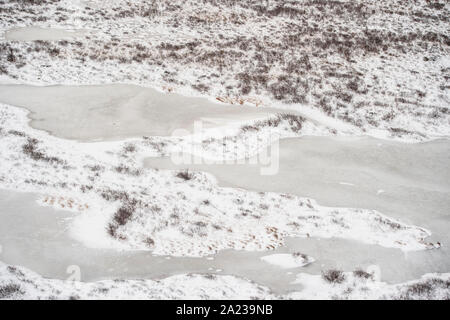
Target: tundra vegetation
[{"x": 371, "y": 64}]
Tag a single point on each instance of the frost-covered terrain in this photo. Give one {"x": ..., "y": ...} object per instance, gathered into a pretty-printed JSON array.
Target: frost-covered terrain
[
  {"x": 123, "y": 205},
  {"x": 379, "y": 67},
  {"x": 331, "y": 68},
  {"x": 120, "y": 204},
  {"x": 20, "y": 283}
]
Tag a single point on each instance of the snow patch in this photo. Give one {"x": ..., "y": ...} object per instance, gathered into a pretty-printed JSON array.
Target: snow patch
[{"x": 288, "y": 261}]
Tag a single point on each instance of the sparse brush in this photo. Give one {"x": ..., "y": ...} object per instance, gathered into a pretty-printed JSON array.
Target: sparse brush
[
  {"x": 200, "y": 87},
  {"x": 389, "y": 223},
  {"x": 112, "y": 229},
  {"x": 127, "y": 170},
  {"x": 295, "y": 122},
  {"x": 210, "y": 276},
  {"x": 122, "y": 216},
  {"x": 362, "y": 274},
  {"x": 30, "y": 149},
  {"x": 185, "y": 175},
  {"x": 333, "y": 276},
  {"x": 149, "y": 242},
  {"x": 11, "y": 56},
  {"x": 129, "y": 148},
  {"x": 124, "y": 213},
  {"x": 114, "y": 195},
  {"x": 425, "y": 289},
  {"x": 16, "y": 133},
  {"x": 95, "y": 168},
  {"x": 300, "y": 255},
  {"x": 9, "y": 290}
]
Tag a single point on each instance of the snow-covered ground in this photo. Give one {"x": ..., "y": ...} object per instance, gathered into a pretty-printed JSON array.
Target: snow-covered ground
[
  {"x": 123, "y": 205},
  {"x": 368, "y": 67},
  {"x": 120, "y": 204},
  {"x": 20, "y": 283},
  {"x": 312, "y": 68}
]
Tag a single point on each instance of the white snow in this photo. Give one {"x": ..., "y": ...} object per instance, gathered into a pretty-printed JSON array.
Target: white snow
[
  {"x": 430, "y": 286},
  {"x": 20, "y": 283},
  {"x": 393, "y": 89},
  {"x": 288, "y": 261},
  {"x": 170, "y": 215},
  {"x": 377, "y": 68}
]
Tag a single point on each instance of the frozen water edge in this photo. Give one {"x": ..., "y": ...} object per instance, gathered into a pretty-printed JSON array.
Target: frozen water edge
[
  {"x": 20, "y": 283},
  {"x": 181, "y": 217},
  {"x": 414, "y": 178},
  {"x": 118, "y": 111},
  {"x": 14, "y": 123},
  {"x": 37, "y": 238},
  {"x": 422, "y": 119}
]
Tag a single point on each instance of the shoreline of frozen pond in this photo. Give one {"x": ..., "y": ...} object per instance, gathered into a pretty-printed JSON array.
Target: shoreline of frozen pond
[
  {"x": 37, "y": 238},
  {"x": 409, "y": 182},
  {"x": 119, "y": 111},
  {"x": 356, "y": 168}
]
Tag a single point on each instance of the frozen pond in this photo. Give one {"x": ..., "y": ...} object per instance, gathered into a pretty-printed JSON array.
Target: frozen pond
[
  {"x": 406, "y": 181},
  {"x": 112, "y": 112},
  {"x": 416, "y": 191},
  {"x": 36, "y": 33},
  {"x": 37, "y": 238}
]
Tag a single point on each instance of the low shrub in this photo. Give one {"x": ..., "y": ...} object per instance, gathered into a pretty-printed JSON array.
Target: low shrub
[
  {"x": 333, "y": 276},
  {"x": 185, "y": 175}
]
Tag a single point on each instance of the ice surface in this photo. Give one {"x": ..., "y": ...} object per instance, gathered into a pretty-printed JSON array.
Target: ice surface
[
  {"x": 415, "y": 180},
  {"x": 114, "y": 112},
  {"x": 288, "y": 261},
  {"x": 36, "y": 33}
]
